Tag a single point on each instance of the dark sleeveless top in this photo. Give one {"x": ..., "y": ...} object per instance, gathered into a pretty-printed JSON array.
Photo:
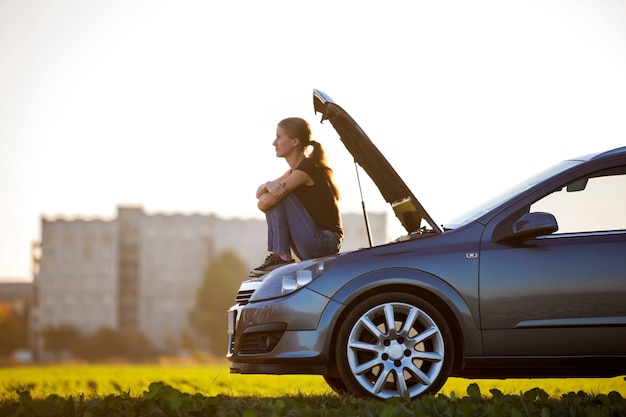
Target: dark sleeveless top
[{"x": 318, "y": 199}]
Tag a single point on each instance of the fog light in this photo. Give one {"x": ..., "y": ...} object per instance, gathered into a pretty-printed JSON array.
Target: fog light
[{"x": 264, "y": 342}]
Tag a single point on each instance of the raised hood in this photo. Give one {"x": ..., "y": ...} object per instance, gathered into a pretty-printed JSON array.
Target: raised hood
[{"x": 406, "y": 207}]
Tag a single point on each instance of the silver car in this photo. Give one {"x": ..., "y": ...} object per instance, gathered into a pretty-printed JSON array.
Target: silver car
[{"x": 530, "y": 284}]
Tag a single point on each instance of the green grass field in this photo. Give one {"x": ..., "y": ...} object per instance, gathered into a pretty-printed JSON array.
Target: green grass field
[{"x": 94, "y": 381}]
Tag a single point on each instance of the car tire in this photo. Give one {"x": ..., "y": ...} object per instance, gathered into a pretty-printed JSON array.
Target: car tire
[
  {"x": 413, "y": 358},
  {"x": 336, "y": 384}
]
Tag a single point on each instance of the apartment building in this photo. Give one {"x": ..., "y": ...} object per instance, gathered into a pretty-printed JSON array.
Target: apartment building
[{"x": 140, "y": 271}]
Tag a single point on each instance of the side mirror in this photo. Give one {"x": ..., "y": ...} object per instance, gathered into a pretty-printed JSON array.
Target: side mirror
[{"x": 534, "y": 224}]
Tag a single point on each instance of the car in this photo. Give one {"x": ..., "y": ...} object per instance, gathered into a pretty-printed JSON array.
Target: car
[{"x": 530, "y": 284}]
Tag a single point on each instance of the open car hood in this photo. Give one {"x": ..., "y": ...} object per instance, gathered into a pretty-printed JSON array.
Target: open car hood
[{"x": 406, "y": 207}]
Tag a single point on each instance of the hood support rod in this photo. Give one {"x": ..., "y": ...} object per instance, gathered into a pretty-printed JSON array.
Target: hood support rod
[{"x": 367, "y": 222}]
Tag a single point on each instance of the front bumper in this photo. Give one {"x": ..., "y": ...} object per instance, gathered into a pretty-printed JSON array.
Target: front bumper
[{"x": 287, "y": 335}]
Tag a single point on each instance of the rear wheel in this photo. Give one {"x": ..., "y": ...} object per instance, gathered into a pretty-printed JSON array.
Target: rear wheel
[{"x": 394, "y": 344}]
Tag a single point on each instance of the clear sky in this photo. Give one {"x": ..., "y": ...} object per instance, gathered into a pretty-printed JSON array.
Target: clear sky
[{"x": 172, "y": 105}]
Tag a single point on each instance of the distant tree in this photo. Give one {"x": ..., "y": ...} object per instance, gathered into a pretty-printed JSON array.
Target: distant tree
[
  {"x": 136, "y": 346},
  {"x": 60, "y": 338},
  {"x": 107, "y": 343},
  {"x": 215, "y": 296},
  {"x": 12, "y": 330}
]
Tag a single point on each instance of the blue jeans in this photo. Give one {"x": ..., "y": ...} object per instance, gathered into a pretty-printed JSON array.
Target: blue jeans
[{"x": 290, "y": 227}]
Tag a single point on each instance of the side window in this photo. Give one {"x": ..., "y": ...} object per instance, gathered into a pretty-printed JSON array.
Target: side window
[{"x": 595, "y": 203}]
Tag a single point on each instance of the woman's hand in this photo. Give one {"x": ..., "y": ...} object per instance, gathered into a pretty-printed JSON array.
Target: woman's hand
[
  {"x": 276, "y": 188},
  {"x": 272, "y": 192}
]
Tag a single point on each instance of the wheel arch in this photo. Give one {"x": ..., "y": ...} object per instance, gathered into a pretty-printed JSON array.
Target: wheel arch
[{"x": 419, "y": 283}]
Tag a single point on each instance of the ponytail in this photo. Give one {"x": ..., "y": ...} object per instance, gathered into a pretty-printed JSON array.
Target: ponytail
[{"x": 319, "y": 157}]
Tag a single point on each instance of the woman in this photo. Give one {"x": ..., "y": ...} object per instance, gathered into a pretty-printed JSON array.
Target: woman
[{"x": 300, "y": 206}]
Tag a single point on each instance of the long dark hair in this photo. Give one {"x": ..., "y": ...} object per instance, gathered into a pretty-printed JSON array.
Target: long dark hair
[{"x": 296, "y": 127}]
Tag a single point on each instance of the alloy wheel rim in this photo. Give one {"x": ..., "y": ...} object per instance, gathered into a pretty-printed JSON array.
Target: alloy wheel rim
[{"x": 395, "y": 349}]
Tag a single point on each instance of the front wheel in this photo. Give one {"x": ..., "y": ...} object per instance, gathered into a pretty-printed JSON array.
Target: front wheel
[
  {"x": 394, "y": 344},
  {"x": 336, "y": 384}
]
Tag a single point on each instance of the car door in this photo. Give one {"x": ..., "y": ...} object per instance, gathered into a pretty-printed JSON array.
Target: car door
[{"x": 563, "y": 293}]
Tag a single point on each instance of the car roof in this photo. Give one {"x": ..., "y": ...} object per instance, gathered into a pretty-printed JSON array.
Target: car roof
[{"x": 608, "y": 154}]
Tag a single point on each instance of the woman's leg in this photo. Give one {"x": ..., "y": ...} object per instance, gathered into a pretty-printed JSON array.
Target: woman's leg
[
  {"x": 278, "y": 241},
  {"x": 278, "y": 238},
  {"x": 306, "y": 239}
]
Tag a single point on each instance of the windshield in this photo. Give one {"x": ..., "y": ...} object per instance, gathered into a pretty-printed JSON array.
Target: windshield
[{"x": 489, "y": 205}]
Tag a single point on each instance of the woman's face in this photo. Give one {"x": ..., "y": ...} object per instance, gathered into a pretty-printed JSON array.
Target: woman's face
[{"x": 283, "y": 144}]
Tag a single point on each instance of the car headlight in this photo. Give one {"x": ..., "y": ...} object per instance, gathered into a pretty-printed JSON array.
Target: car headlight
[{"x": 289, "y": 278}]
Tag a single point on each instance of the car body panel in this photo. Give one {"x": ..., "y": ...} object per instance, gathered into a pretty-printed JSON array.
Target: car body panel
[
  {"x": 299, "y": 351},
  {"x": 308, "y": 303},
  {"x": 422, "y": 284},
  {"x": 536, "y": 295},
  {"x": 452, "y": 274}
]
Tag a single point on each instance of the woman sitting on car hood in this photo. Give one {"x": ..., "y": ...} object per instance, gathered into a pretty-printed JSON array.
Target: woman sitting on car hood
[{"x": 301, "y": 205}]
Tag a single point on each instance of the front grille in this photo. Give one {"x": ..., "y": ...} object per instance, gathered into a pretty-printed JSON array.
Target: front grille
[
  {"x": 243, "y": 296},
  {"x": 246, "y": 290}
]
